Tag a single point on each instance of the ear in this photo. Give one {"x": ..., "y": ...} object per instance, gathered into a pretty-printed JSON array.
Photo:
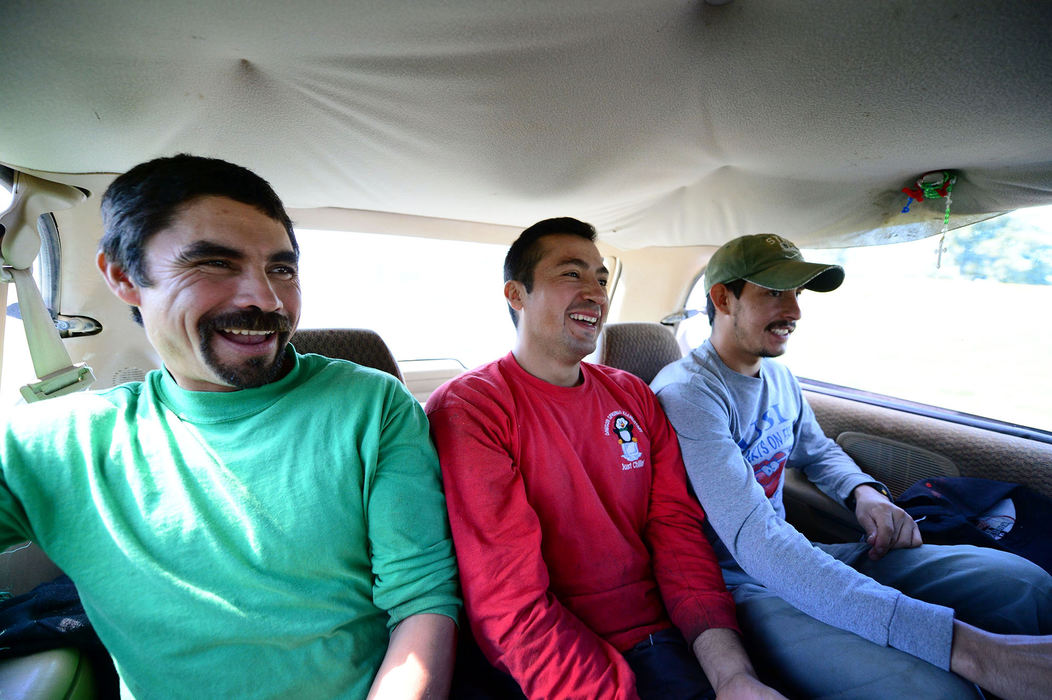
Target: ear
[
  {"x": 515, "y": 293},
  {"x": 119, "y": 281},
  {"x": 720, "y": 296}
]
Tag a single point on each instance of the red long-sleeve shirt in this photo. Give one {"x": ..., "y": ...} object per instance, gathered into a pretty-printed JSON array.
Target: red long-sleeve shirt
[{"x": 575, "y": 532}]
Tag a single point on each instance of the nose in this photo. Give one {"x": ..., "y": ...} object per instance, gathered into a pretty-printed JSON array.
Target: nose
[
  {"x": 791, "y": 306},
  {"x": 595, "y": 292},
  {"x": 255, "y": 288}
]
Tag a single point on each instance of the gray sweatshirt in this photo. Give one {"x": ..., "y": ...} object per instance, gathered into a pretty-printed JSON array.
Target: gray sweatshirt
[{"x": 738, "y": 434}]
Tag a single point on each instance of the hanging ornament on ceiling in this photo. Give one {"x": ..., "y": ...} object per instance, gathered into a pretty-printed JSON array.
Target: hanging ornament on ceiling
[
  {"x": 932, "y": 185},
  {"x": 937, "y": 184}
]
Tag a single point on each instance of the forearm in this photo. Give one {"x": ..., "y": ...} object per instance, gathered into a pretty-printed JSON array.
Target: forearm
[
  {"x": 722, "y": 656},
  {"x": 419, "y": 659},
  {"x": 1014, "y": 667}
]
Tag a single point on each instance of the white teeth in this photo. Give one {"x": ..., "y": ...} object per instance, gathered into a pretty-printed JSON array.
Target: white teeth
[
  {"x": 582, "y": 317},
  {"x": 780, "y": 331},
  {"x": 241, "y": 331}
]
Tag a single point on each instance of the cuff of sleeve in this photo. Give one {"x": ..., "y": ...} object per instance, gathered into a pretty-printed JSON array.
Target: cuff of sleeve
[
  {"x": 713, "y": 615},
  {"x": 922, "y": 630},
  {"x": 450, "y": 611},
  {"x": 849, "y": 499}
]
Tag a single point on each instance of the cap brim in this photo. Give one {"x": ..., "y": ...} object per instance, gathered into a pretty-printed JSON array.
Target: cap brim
[{"x": 793, "y": 274}]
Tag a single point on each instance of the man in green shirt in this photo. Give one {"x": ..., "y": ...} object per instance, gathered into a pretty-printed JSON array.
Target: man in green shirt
[{"x": 247, "y": 521}]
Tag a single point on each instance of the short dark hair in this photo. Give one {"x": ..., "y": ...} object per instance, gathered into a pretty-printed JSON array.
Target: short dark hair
[
  {"x": 525, "y": 252},
  {"x": 145, "y": 199},
  {"x": 734, "y": 286}
]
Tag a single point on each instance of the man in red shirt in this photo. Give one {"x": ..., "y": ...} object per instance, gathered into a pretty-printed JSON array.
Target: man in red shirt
[{"x": 582, "y": 559}]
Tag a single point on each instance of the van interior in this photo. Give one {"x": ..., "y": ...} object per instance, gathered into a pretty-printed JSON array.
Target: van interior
[{"x": 909, "y": 142}]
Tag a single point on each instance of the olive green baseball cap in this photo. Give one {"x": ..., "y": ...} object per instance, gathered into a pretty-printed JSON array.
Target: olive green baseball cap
[{"x": 771, "y": 262}]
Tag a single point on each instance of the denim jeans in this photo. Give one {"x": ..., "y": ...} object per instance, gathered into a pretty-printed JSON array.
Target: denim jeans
[
  {"x": 805, "y": 658},
  {"x": 665, "y": 669}
]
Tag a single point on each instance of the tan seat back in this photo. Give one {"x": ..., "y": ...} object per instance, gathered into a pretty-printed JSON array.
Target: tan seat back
[
  {"x": 360, "y": 345},
  {"x": 640, "y": 348}
]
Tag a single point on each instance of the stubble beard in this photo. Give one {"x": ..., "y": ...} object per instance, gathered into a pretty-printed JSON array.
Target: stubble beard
[
  {"x": 256, "y": 371},
  {"x": 761, "y": 350}
]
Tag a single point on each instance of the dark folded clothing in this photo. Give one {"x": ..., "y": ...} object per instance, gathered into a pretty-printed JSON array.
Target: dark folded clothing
[
  {"x": 998, "y": 514},
  {"x": 48, "y": 617}
]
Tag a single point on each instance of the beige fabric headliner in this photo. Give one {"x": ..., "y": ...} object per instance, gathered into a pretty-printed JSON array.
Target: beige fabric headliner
[{"x": 664, "y": 122}]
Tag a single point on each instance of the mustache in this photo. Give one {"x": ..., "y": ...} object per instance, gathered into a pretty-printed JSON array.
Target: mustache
[
  {"x": 791, "y": 325},
  {"x": 247, "y": 320}
]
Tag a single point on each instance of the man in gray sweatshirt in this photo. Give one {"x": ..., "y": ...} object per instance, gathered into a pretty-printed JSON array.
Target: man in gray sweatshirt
[{"x": 887, "y": 617}]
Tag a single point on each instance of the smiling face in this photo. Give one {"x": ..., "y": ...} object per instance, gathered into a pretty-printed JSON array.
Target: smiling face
[
  {"x": 753, "y": 326},
  {"x": 561, "y": 316},
  {"x": 223, "y": 297}
]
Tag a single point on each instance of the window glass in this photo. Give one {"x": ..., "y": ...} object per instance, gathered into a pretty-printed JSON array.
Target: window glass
[
  {"x": 427, "y": 298},
  {"x": 970, "y": 334}
]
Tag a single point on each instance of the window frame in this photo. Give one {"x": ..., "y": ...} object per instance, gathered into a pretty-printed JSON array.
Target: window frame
[{"x": 926, "y": 410}]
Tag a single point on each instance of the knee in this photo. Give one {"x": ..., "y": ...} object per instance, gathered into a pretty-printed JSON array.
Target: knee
[
  {"x": 1018, "y": 593},
  {"x": 1040, "y": 585}
]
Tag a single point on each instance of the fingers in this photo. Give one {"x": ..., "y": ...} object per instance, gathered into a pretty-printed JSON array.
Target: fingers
[
  {"x": 904, "y": 530},
  {"x": 886, "y": 525},
  {"x": 889, "y": 527},
  {"x": 880, "y": 531},
  {"x": 912, "y": 536},
  {"x": 878, "y": 540}
]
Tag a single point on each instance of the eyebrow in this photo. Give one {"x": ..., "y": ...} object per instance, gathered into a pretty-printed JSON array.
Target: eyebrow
[
  {"x": 285, "y": 256},
  {"x": 209, "y": 249},
  {"x": 583, "y": 264}
]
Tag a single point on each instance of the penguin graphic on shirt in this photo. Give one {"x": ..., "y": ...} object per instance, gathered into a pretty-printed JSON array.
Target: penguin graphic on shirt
[{"x": 623, "y": 431}]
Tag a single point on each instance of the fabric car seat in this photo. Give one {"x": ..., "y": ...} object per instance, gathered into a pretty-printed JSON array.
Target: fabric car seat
[
  {"x": 640, "y": 348},
  {"x": 359, "y": 345}
]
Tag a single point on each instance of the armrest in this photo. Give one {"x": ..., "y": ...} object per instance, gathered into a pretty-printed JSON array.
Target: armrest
[
  {"x": 58, "y": 674},
  {"x": 815, "y": 514}
]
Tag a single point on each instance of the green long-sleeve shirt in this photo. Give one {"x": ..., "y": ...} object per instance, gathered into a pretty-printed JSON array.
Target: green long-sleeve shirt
[{"x": 256, "y": 543}]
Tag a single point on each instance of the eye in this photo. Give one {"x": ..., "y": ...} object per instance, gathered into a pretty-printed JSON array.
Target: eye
[
  {"x": 602, "y": 283},
  {"x": 217, "y": 263},
  {"x": 284, "y": 271},
  {"x": 573, "y": 273}
]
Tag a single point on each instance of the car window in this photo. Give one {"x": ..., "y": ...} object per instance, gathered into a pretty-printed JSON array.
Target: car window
[
  {"x": 968, "y": 334},
  {"x": 427, "y": 298}
]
